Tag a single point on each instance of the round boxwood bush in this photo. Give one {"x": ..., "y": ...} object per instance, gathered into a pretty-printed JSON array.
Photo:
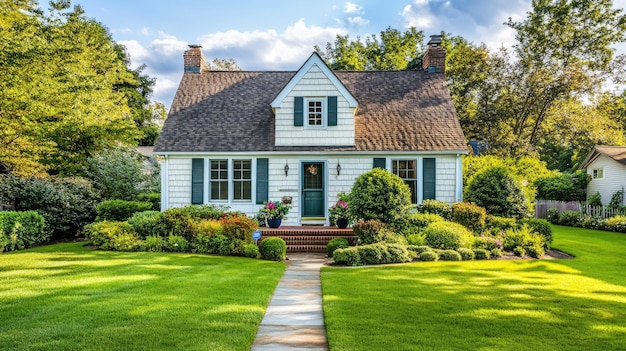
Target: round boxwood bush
[
  {"x": 379, "y": 195},
  {"x": 428, "y": 256},
  {"x": 348, "y": 256},
  {"x": 481, "y": 254},
  {"x": 250, "y": 250},
  {"x": 449, "y": 255},
  {"x": 148, "y": 223},
  {"x": 466, "y": 254},
  {"x": 498, "y": 192},
  {"x": 447, "y": 236},
  {"x": 273, "y": 249},
  {"x": 469, "y": 215},
  {"x": 336, "y": 243}
]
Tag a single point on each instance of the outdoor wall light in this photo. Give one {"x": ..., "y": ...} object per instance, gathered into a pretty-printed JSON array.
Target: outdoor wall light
[
  {"x": 286, "y": 169},
  {"x": 338, "y": 168}
]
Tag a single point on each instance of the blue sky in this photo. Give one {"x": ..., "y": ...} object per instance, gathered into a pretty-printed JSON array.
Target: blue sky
[{"x": 280, "y": 35}]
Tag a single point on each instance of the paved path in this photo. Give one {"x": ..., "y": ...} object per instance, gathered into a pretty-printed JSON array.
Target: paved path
[{"x": 294, "y": 319}]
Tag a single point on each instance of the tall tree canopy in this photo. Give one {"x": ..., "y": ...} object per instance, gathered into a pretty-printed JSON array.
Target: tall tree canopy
[{"x": 66, "y": 90}]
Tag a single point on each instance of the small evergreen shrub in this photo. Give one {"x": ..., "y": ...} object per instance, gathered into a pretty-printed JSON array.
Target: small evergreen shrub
[
  {"x": 594, "y": 200},
  {"x": 496, "y": 252},
  {"x": 437, "y": 207},
  {"x": 176, "y": 243},
  {"x": 126, "y": 241},
  {"x": 250, "y": 250},
  {"x": 487, "y": 242},
  {"x": 447, "y": 236},
  {"x": 449, "y": 255},
  {"x": 428, "y": 256},
  {"x": 517, "y": 237},
  {"x": 398, "y": 253},
  {"x": 336, "y": 243},
  {"x": 22, "y": 229},
  {"x": 148, "y": 223},
  {"x": 416, "y": 239},
  {"x": 120, "y": 210},
  {"x": 466, "y": 254},
  {"x": 153, "y": 243},
  {"x": 102, "y": 234},
  {"x": 419, "y": 249},
  {"x": 198, "y": 212},
  {"x": 368, "y": 232},
  {"x": 553, "y": 215},
  {"x": 220, "y": 245},
  {"x": 540, "y": 226},
  {"x": 379, "y": 195},
  {"x": 178, "y": 221},
  {"x": 153, "y": 198},
  {"x": 519, "y": 251},
  {"x": 372, "y": 254},
  {"x": 348, "y": 256},
  {"x": 498, "y": 192},
  {"x": 273, "y": 249},
  {"x": 499, "y": 223},
  {"x": 481, "y": 254},
  {"x": 422, "y": 220},
  {"x": 469, "y": 215},
  {"x": 238, "y": 226},
  {"x": 570, "y": 218},
  {"x": 535, "y": 251},
  {"x": 390, "y": 237},
  {"x": 201, "y": 243}
]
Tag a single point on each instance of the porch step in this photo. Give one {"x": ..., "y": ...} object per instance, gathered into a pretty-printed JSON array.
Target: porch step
[{"x": 308, "y": 239}]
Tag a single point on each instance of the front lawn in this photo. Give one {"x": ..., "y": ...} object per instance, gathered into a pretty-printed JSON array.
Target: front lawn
[
  {"x": 67, "y": 297},
  {"x": 577, "y": 304}
]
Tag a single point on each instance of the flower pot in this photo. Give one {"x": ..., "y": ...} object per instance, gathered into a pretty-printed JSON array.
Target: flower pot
[
  {"x": 274, "y": 222},
  {"x": 342, "y": 222}
]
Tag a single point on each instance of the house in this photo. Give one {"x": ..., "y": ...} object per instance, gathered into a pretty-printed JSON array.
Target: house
[
  {"x": 606, "y": 165},
  {"x": 241, "y": 138}
]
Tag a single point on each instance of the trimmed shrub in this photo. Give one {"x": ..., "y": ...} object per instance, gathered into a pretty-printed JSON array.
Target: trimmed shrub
[
  {"x": 562, "y": 186},
  {"x": 176, "y": 243},
  {"x": 390, "y": 237},
  {"x": 481, "y": 254},
  {"x": 495, "y": 253},
  {"x": 379, "y": 195},
  {"x": 148, "y": 223},
  {"x": 499, "y": 223},
  {"x": 336, "y": 243},
  {"x": 220, "y": 245},
  {"x": 201, "y": 243},
  {"x": 441, "y": 208},
  {"x": 517, "y": 237},
  {"x": 125, "y": 241},
  {"x": 398, "y": 253},
  {"x": 488, "y": 243},
  {"x": 449, "y": 255},
  {"x": 348, "y": 256},
  {"x": 120, "y": 210},
  {"x": 416, "y": 239},
  {"x": 153, "y": 198},
  {"x": 372, "y": 254},
  {"x": 415, "y": 222},
  {"x": 103, "y": 233},
  {"x": 591, "y": 222},
  {"x": 419, "y": 249},
  {"x": 238, "y": 226},
  {"x": 540, "y": 226},
  {"x": 198, "y": 212},
  {"x": 178, "y": 221},
  {"x": 553, "y": 215},
  {"x": 498, "y": 192},
  {"x": 153, "y": 243},
  {"x": 469, "y": 215},
  {"x": 368, "y": 232},
  {"x": 616, "y": 224},
  {"x": 23, "y": 229},
  {"x": 519, "y": 251},
  {"x": 466, "y": 254},
  {"x": 250, "y": 250},
  {"x": 535, "y": 251},
  {"x": 428, "y": 256},
  {"x": 273, "y": 249},
  {"x": 448, "y": 236},
  {"x": 570, "y": 218}
]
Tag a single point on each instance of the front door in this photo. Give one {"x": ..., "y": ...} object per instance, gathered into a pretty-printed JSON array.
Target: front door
[{"x": 313, "y": 190}]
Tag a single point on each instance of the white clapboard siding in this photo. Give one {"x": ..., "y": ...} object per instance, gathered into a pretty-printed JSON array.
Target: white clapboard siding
[{"x": 614, "y": 178}]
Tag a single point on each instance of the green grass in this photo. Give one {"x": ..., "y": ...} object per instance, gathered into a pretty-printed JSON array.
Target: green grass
[
  {"x": 577, "y": 304},
  {"x": 67, "y": 297}
]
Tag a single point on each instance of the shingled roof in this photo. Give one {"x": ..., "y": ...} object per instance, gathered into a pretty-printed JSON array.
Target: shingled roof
[
  {"x": 617, "y": 153},
  {"x": 229, "y": 111}
]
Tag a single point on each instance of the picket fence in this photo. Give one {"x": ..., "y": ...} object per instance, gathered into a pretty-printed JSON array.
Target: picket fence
[{"x": 542, "y": 206}]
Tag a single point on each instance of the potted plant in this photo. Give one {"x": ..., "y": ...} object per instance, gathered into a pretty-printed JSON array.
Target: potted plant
[
  {"x": 339, "y": 214},
  {"x": 274, "y": 212}
]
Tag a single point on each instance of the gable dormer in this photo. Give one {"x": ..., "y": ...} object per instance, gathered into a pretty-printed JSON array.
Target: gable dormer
[{"x": 314, "y": 108}]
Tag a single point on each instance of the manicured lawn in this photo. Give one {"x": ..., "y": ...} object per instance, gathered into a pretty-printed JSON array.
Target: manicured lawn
[
  {"x": 577, "y": 304},
  {"x": 67, "y": 297}
]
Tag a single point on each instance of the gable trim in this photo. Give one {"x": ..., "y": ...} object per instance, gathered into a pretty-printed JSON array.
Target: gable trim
[{"x": 314, "y": 59}]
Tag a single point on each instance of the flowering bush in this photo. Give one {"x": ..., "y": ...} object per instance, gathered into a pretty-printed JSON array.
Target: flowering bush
[
  {"x": 275, "y": 209},
  {"x": 338, "y": 210}
]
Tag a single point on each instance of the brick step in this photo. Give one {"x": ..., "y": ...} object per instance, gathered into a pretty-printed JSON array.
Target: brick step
[
  {"x": 306, "y": 248},
  {"x": 308, "y": 239},
  {"x": 312, "y": 240}
]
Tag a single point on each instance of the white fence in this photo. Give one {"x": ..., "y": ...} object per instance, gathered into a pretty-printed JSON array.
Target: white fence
[{"x": 542, "y": 206}]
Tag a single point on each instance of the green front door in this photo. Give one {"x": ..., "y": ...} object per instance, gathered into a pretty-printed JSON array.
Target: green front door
[{"x": 313, "y": 190}]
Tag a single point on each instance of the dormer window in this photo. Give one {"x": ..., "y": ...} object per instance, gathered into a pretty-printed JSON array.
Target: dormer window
[{"x": 315, "y": 113}]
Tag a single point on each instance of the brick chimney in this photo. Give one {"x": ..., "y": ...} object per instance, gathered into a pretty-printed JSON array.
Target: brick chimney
[
  {"x": 434, "y": 59},
  {"x": 194, "y": 59}
]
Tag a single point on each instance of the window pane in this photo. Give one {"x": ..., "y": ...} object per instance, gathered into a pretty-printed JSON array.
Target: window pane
[
  {"x": 219, "y": 180},
  {"x": 406, "y": 170},
  {"x": 242, "y": 180}
]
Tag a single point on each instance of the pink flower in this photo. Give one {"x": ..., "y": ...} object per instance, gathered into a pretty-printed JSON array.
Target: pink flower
[{"x": 271, "y": 206}]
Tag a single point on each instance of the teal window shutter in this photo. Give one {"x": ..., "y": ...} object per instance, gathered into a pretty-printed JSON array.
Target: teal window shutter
[
  {"x": 429, "y": 177},
  {"x": 262, "y": 180},
  {"x": 197, "y": 181},
  {"x": 332, "y": 110},
  {"x": 380, "y": 163},
  {"x": 298, "y": 111}
]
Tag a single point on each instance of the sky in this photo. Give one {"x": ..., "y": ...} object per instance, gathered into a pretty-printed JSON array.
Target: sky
[{"x": 281, "y": 34}]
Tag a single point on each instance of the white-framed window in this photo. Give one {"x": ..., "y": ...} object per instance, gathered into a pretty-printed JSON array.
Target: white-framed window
[
  {"x": 407, "y": 170},
  {"x": 315, "y": 112},
  {"x": 242, "y": 180},
  {"x": 219, "y": 180},
  {"x": 598, "y": 173}
]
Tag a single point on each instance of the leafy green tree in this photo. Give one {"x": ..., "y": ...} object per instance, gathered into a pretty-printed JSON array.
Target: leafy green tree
[
  {"x": 498, "y": 192},
  {"x": 379, "y": 195}
]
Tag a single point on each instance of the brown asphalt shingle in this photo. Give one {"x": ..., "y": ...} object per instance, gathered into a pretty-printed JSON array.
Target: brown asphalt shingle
[{"x": 221, "y": 111}]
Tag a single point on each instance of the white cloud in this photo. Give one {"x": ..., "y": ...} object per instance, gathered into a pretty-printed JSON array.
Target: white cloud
[
  {"x": 168, "y": 45},
  {"x": 351, "y": 8},
  {"x": 137, "y": 51},
  {"x": 358, "y": 21},
  {"x": 418, "y": 15}
]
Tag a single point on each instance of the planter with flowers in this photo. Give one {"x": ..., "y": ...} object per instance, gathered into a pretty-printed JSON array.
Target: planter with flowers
[
  {"x": 274, "y": 212},
  {"x": 338, "y": 214}
]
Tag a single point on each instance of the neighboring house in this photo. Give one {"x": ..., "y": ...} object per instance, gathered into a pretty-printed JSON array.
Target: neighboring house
[
  {"x": 606, "y": 165},
  {"x": 241, "y": 138}
]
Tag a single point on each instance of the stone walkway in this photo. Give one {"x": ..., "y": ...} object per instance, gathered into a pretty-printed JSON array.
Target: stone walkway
[{"x": 294, "y": 320}]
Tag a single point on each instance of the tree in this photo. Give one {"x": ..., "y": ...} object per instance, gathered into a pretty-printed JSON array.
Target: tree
[
  {"x": 379, "y": 195},
  {"x": 498, "y": 192}
]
